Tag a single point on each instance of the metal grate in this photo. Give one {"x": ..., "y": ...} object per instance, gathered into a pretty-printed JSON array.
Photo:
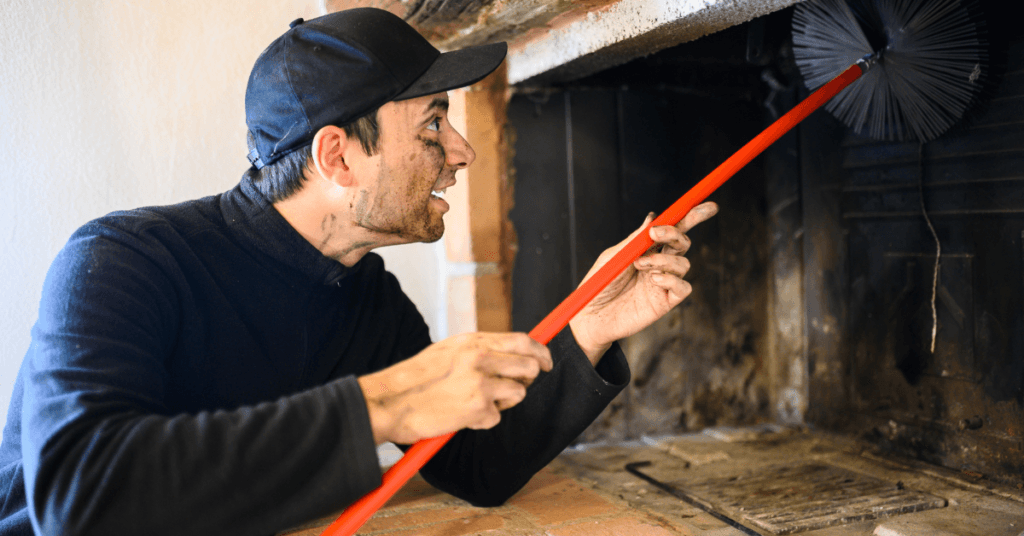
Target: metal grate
[{"x": 795, "y": 498}]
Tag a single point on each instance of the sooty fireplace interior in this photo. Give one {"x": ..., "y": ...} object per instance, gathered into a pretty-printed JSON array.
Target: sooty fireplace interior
[{"x": 813, "y": 287}]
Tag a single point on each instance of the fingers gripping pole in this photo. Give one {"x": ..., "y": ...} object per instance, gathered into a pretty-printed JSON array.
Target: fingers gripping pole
[{"x": 420, "y": 453}]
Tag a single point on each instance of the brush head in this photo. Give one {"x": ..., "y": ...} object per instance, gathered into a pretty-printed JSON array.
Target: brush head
[{"x": 929, "y": 62}]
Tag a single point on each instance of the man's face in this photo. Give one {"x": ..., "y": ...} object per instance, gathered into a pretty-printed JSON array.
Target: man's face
[{"x": 418, "y": 155}]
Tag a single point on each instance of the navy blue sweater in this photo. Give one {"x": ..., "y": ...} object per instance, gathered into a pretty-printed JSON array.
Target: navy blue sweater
[{"x": 193, "y": 371}]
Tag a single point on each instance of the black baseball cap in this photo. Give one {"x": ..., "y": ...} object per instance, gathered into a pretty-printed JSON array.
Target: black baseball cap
[{"x": 334, "y": 69}]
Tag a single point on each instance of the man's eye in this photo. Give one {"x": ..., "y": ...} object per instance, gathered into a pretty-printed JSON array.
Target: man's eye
[{"x": 435, "y": 125}]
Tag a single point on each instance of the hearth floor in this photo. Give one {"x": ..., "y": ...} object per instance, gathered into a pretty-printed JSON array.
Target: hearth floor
[{"x": 733, "y": 482}]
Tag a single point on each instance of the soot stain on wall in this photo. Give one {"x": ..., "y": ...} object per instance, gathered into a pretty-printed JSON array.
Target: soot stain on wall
[
  {"x": 602, "y": 153},
  {"x": 702, "y": 364}
]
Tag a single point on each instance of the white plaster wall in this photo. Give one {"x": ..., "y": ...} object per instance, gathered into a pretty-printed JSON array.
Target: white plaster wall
[
  {"x": 106, "y": 105},
  {"x": 421, "y": 268}
]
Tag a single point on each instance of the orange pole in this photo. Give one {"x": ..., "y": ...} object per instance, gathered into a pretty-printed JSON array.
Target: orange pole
[{"x": 419, "y": 454}]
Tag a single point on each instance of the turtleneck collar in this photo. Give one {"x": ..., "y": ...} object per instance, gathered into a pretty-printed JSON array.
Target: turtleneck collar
[{"x": 255, "y": 221}]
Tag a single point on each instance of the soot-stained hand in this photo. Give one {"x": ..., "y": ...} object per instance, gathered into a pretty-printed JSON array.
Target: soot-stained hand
[
  {"x": 645, "y": 291},
  {"x": 464, "y": 381}
]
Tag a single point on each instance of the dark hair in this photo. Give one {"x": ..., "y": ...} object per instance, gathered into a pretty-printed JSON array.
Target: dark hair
[{"x": 281, "y": 179}]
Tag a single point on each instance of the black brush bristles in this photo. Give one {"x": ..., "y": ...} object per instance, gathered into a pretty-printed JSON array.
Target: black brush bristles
[{"x": 931, "y": 61}]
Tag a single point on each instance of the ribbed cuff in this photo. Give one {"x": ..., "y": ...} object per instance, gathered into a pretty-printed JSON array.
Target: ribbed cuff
[{"x": 611, "y": 372}]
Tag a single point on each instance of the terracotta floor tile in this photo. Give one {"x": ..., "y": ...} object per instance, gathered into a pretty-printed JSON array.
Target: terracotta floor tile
[
  {"x": 559, "y": 500},
  {"x": 416, "y": 493},
  {"x": 728, "y": 531},
  {"x": 619, "y": 526},
  {"x": 677, "y": 526},
  {"x": 419, "y": 517},
  {"x": 706, "y": 521},
  {"x": 540, "y": 480},
  {"x": 481, "y": 524}
]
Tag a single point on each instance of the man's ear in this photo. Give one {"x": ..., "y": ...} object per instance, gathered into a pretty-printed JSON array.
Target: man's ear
[{"x": 331, "y": 149}]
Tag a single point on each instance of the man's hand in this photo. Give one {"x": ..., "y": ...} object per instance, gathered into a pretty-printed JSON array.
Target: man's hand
[
  {"x": 644, "y": 292},
  {"x": 460, "y": 382}
]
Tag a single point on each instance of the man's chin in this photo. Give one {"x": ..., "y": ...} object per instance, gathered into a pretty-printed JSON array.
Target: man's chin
[
  {"x": 434, "y": 236},
  {"x": 426, "y": 236}
]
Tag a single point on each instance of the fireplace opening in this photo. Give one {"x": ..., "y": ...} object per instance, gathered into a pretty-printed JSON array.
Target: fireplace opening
[{"x": 813, "y": 286}]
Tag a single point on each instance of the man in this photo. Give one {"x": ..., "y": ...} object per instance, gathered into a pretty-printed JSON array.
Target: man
[{"x": 228, "y": 365}]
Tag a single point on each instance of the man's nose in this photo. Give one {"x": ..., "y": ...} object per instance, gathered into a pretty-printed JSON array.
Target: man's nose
[{"x": 458, "y": 153}]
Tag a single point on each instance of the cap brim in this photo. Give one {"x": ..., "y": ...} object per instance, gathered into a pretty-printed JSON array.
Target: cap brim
[{"x": 455, "y": 69}]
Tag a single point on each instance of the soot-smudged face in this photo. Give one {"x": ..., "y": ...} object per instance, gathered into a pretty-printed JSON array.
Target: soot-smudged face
[{"x": 419, "y": 154}]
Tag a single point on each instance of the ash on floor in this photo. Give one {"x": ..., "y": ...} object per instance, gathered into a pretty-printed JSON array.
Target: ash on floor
[{"x": 771, "y": 480}]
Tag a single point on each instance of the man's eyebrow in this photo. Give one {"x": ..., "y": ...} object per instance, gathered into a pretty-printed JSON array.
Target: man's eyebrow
[{"x": 438, "y": 103}]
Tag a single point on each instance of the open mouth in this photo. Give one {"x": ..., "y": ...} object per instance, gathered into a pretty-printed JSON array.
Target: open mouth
[{"x": 438, "y": 193}]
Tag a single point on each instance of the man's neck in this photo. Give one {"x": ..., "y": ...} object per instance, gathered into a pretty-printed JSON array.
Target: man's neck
[{"x": 314, "y": 213}]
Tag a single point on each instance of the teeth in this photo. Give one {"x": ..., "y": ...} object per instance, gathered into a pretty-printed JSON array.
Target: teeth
[{"x": 438, "y": 193}]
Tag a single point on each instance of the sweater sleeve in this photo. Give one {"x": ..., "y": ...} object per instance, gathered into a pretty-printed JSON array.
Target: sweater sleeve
[
  {"x": 486, "y": 467},
  {"x": 103, "y": 454}
]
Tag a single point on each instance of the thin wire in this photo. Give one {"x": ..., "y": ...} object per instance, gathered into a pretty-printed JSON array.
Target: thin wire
[{"x": 938, "y": 245}]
